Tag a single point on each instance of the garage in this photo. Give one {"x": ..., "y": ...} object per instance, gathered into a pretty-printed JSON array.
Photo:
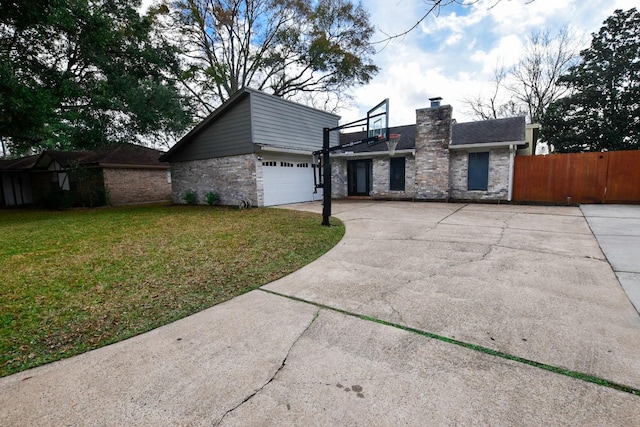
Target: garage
[{"x": 288, "y": 179}]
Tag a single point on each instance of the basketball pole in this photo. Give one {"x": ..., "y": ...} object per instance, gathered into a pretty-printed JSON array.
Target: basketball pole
[
  {"x": 326, "y": 151},
  {"x": 326, "y": 172}
]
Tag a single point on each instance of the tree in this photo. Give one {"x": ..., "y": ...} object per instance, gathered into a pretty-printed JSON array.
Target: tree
[
  {"x": 84, "y": 73},
  {"x": 531, "y": 85},
  {"x": 494, "y": 107},
  {"x": 603, "y": 110},
  {"x": 289, "y": 48},
  {"x": 535, "y": 78}
]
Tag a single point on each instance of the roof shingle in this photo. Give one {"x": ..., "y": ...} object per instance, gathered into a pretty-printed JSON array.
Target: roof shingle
[{"x": 485, "y": 131}]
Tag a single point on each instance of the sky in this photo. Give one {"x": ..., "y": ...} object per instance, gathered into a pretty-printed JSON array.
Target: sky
[{"x": 453, "y": 54}]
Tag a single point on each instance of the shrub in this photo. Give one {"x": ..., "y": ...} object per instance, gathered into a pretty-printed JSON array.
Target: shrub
[
  {"x": 58, "y": 199},
  {"x": 191, "y": 197},
  {"x": 101, "y": 197},
  {"x": 212, "y": 198}
]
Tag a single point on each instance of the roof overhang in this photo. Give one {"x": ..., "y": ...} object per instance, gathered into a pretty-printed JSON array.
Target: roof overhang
[
  {"x": 351, "y": 154},
  {"x": 131, "y": 166},
  {"x": 285, "y": 150},
  {"x": 485, "y": 145}
]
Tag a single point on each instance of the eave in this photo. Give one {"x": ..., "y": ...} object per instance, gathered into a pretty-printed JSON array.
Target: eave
[{"x": 482, "y": 145}]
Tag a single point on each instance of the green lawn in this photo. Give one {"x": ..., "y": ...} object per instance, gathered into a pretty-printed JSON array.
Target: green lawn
[{"x": 76, "y": 280}]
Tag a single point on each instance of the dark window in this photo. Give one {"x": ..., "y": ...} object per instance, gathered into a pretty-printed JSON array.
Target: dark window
[
  {"x": 478, "y": 177},
  {"x": 360, "y": 173},
  {"x": 396, "y": 178}
]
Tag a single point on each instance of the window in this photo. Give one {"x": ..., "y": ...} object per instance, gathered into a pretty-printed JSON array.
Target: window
[
  {"x": 396, "y": 175},
  {"x": 478, "y": 175}
]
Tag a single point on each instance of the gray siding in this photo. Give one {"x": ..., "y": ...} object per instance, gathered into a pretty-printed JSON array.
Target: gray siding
[
  {"x": 227, "y": 135},
  {"x": 280, "y": 123}
]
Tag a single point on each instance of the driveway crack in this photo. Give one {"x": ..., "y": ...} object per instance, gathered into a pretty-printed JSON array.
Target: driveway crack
[
  {"x": 453, "y": 213},
  {"x": 275, "y": 374}
]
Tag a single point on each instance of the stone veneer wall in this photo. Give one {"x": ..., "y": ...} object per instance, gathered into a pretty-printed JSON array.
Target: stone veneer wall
[
  {"x": 234, "y": 178},
  {"x": 132, "y": 186},
  {"x": 380, "y": 185},
  {"x": 381, "y": 179},
  {"x": 433, "y": 135},
  {"x": 339, "y": 187},
  {"x": 498, "y": 184}
]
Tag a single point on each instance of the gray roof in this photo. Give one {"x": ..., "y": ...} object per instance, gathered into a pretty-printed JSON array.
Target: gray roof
[
  {"x": 407, "y": 140},
  {"x": 117, "y": 154},
  {"x": 269, "y": 118},
  {"x": 499, "y": 130},
  {"x": 511, "y": 129}
]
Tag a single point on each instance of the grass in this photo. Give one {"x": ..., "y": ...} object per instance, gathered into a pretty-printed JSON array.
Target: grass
[{"x": 78, "y": 280}]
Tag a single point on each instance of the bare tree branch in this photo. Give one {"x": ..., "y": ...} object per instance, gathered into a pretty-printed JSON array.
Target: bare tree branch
[{"x": 532, "y": 84}]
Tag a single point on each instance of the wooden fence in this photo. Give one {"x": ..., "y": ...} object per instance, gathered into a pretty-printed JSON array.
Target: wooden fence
[{"x": 609, "y": 177}]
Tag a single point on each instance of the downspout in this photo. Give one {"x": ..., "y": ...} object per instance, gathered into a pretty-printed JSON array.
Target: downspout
[{"x": 512, "y": 154}]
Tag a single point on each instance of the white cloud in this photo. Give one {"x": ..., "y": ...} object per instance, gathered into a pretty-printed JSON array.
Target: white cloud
[{"x": 454, "y": 54}]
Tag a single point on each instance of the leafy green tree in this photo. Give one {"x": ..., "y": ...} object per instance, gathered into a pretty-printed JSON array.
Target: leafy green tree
[
  {"x": 289, "y": 48},
  {"x": 603, "y": 110},
  {"x": 84, "y": 73}
]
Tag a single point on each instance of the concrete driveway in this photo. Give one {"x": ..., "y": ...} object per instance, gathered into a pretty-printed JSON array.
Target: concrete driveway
[
  {"x": 424, "y": 314},
  {"x": 617, "y": 228}
]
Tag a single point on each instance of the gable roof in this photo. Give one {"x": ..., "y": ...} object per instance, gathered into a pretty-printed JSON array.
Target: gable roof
[
  {"x": 126, "y": 154},
  {"x": 507, "y": 130},
  {"x": 407, "y": 140},
  {"x": 267, "y": 117},
  {"x": 203, "y": 124},
  {"x": 113, "y": 155},
  {"x": 18, "y": 164},
  {"x": 64, "y": 158}
]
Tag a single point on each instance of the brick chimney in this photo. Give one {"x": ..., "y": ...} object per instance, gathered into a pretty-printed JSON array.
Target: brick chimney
[{"x": 433, "y": 135}]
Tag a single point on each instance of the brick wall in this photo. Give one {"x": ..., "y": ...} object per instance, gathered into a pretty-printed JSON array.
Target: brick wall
[
  {"x": 234, "y": 178},
  {"x": 381, "y": 178},
  {"x": 433, "y": 135},
  {"x": 339, "y": 186},
  {"x": 131, "y": 186},
  {"x": 498, "y": 185}
]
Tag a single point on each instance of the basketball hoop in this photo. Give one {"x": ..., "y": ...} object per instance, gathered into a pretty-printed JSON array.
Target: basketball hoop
[{"x": 393, "y": 142}]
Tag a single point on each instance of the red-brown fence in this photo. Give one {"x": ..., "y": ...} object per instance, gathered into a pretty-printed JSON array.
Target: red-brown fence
[{"x": 609, "y": 177}]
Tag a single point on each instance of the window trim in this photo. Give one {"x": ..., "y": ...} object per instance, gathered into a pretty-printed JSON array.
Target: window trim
[
  {"x": 394, "y": 185},
  {"x": 476, "y": 177}
]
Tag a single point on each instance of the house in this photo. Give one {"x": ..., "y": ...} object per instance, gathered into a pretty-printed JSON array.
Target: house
[
  {"x": 435, "y": 159},
  {"x": 255, "y": 148},
  {"x": 15, "y": 181},
  {"x": 258, "y": 148},
  {"x": 119, "y": 175}
]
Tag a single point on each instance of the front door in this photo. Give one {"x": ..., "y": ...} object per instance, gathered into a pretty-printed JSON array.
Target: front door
[{"x": 360, "y": 177}]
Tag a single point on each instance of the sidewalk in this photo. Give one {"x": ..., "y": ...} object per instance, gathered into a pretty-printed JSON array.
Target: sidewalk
[
  {"x": 617, "y": 228},
  {"x": 424, "y": 314}
]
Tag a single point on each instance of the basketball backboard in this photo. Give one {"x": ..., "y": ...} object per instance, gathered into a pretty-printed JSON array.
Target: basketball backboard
[{"x": 378, "y": 121}]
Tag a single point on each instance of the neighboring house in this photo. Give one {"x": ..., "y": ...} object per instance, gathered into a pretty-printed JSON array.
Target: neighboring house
[
  {"x": 436, "y": 159},
  {"x": 254, "y": 148},
  {"x": 120, "y": 174},
  {"x": 15, "y": 181},
  {"x": 533, "y": 147}
]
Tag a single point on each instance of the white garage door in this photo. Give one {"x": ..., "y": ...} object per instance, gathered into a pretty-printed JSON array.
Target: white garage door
[{"x": 288, "y": 179}]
